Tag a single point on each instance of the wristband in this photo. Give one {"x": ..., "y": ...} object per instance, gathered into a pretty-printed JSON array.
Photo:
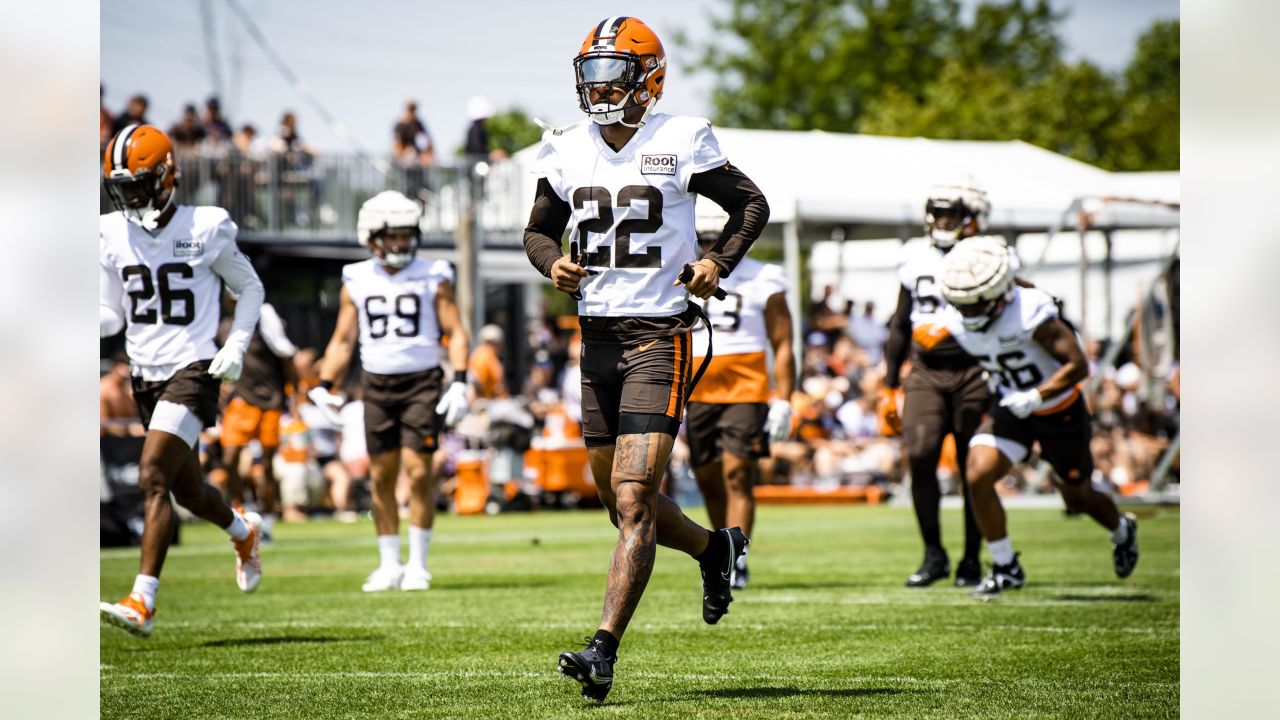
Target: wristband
[
  {"x": 460, "y": 376},
  {"x": 327, "y": 385}
]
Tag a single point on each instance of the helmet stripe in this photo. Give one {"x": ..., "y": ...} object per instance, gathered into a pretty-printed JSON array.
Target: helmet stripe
[{"x": 119, "y": 152}]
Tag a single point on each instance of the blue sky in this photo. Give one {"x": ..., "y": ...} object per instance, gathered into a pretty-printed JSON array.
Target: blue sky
[{"x": 364, "y": 60}]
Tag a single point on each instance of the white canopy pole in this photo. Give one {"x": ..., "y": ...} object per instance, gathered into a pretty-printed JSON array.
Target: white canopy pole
[{"x": 791, "y": 260}]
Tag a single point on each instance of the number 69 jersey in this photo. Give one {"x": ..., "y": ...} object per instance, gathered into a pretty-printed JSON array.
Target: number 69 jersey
[
  {"x": 1007, "y": 350},
  {"x": 632, "y": 212},
  {"x": 399, "y": 331},
  {"x": 167, "y": 285},
  {"x": 737, "y": 373}
]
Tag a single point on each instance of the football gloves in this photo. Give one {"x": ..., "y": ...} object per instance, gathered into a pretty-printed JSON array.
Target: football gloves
[
  {"x": 227, "y": 364},
  {"x": 328, "y": 403},
  {"x": 1022, "y": 403},
  {"x": 453, "y": 406},
  {"x": 778, "y": 424}
]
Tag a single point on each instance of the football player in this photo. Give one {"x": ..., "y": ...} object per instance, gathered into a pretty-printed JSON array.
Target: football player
[
  {"x": 730, "y": 420},
  {"x": 254, "y": 410},
  {"x": 1036, "y": 365},
  {"x": 400, "y": 306},
  {"x": 160, "y": 280},
  {"x": 625, "y": 182},
  {"x": 945, "y": 392}
]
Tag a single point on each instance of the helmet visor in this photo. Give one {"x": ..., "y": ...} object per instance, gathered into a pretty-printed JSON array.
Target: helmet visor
[
  {"x": 134, "y": 193},
  {"x": 608, "y": 70}
]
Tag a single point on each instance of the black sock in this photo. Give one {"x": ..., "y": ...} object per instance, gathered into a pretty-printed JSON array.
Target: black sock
[
  {"x": 607, "y": 643},
  {"x": 715, "y": 553}
]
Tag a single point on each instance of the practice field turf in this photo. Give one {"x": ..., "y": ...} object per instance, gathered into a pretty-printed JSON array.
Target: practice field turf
[{"x": 825, "y": 629}]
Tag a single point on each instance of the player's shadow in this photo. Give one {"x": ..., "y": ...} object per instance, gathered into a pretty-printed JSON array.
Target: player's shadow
[
  {"x": 786, "y": 692},
  {"x": 1127, "y": 598},
  {"x": 286, "y": 640}
]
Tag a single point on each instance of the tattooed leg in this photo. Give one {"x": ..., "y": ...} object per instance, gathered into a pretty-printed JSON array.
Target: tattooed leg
[
  {"x": 675, "y": 529},
  {"x": 635, "y": 492}
]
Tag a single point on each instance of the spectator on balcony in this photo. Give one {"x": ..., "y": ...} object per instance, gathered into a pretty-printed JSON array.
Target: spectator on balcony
[
  {"x": 243, "y": 141},
  {"x": 188, "y": 131},
  {"x": 134, "y": 113},
  {"x": 104, "y": 119},
  {"x": 411, "y": 143},
  {"x": 293, "y": 160},
  {"x": 216, "y": 128}
]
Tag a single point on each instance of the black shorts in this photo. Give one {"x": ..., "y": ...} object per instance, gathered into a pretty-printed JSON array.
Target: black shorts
[
  {"x": 1063, "y": 436},
  {"x": 191, "y": 386},
  {"x": 400, "y": 411},
  {"x": 736, "y": 428},
  {"x": 634, "y": 385}
]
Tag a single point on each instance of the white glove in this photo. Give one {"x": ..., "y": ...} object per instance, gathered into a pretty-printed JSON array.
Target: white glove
[
  {"x": 227, "y": 364},
  {"x": 453, "y": 406},
  {"x": 1022, "y": 403},
  {"x": 778, "y": 425},
  {"x": 328, "y": 403}
]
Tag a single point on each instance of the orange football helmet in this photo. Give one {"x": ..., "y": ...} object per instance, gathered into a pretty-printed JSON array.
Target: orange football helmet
[
  {"x": 620, "y": 51},
  {"x": 140, "y": 173}
]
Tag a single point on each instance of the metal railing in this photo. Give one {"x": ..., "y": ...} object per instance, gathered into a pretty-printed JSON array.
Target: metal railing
[{"x": 295, "y": 197}]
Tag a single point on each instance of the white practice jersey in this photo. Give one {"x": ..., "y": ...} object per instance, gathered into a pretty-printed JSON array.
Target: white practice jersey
[
  {"x": 920, "y": 272},
  {"x": 399, "y": 331},
  {"x": 1006, "y": 349},
  {"x": 738, "y": 320},
  {"x": 169, "y": 286},
  {"x": 632, "y": 212}
]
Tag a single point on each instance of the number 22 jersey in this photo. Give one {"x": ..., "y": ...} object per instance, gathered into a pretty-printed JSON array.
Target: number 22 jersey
[
  {"x": 399, "y": 331},
  {"x": 632, "y": 212}
]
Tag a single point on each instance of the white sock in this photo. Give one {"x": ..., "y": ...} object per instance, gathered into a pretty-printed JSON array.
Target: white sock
[
  {"x": 419, "y": 542},
  {"x": 389, "y": 550},
  {"x": 238, "y": 529},
  {"x": 1120, "y": 535},
  {"x": 1001, "y": 551},
  {"x": 147, "y": 586},
  {"x": 268, "y": 522}
]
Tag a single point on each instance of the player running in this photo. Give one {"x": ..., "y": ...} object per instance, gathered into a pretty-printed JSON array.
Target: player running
[
  {"x": 945, "y": 392},
  {"x": 400, "y": 306},
  {"x": 730, "y": 420},
  {"x": 162, "y": 266},
  {"x": 1036, "y": 365},
  {"x": 626, "y": 183}
]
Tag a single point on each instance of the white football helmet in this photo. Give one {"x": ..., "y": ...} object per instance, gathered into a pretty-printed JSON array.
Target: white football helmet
[
  {"x": 977, "y": 279},
  {"x": 955, "y": 211},
  {"x": 388, "y": 211}
]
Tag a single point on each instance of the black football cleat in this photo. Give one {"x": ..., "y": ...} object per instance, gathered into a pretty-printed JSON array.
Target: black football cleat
[
  {"x": 1001, "y": 578},
  {"x": 1126, "y": 554},
  {"x": 740, "y": 573},
  {"x": 968, "y": 573},
  {"x": 590, "y": 667},
  {"x": 717, "y": 582},
  {"x": 935, "y": 567}
]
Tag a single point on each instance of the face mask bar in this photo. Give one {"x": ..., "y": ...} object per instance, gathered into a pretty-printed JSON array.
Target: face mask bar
[
  {"x": 605, "y": 69},
  {"x": 135, "y": 197},
  {"x": 401, "y": 258}
]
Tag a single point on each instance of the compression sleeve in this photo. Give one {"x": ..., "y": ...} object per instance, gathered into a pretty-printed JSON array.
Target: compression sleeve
[
  {"x": 237, "y": 272},
  {"x": 748, "y": 211},
  {"x": 899, "y": 342},
  {"x": 547, "y": 221}
]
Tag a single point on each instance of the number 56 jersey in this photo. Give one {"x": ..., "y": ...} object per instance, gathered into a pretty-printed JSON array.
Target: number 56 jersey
[
  {"x": 167, "y": 285},
  {"x": 399, "y": 331},
  {"x": 632, "y": 212},
  {"x": 1007, "y": 350}
]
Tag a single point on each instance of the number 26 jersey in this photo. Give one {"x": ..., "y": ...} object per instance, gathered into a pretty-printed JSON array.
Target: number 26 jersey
[
  {"x": 632, "y": 212},
  {"x": 399, "y": 331},
  {"x": 1007, "y": 350}
]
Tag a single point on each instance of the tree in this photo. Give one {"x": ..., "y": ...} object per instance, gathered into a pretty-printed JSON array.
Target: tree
[
  {"x": 512, "y": 130},
  {"x": 1146, "y": 135}
]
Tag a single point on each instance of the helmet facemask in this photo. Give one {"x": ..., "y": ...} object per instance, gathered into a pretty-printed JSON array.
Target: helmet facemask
[
  {"x": 140, "y": 197},
  {"x": 623, "y": 70},
  {"x": 976, "y": 316},
  {"x": 395, "y": 247},
  {"x": 949, "y": 221}
]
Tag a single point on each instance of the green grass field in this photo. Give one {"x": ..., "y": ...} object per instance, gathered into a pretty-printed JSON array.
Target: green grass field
[{"x": 825, "y": 630}]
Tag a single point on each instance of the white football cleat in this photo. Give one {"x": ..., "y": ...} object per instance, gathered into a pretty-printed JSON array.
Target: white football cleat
[
  {"x": 129, "y": 614},
  {"x": 383, "y": 579},
  {"x": 415, "y": 578},
  {"x": 248, "y": 561}
]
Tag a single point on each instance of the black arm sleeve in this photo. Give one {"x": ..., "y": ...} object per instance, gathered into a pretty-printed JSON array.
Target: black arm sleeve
[
  {"x": 748, "y": 211},
  {"x": 899, "y": 342},
  {"x": 547, "y": 221}
]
